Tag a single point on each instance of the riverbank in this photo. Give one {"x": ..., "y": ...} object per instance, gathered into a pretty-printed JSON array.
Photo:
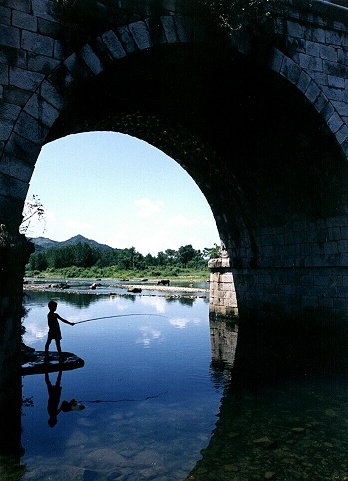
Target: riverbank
[{"x": 106, "y": 286}]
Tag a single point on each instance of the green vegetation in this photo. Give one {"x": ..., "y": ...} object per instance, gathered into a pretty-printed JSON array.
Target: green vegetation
[
  {"x": 81, "y": 260},
  {"x": 236, "y": 14}
]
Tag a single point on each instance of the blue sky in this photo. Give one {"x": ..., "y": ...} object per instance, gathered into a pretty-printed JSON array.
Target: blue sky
[{"x": 119, "y": 191}]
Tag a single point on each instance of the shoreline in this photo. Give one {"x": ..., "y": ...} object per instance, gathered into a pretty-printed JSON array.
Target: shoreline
[{"x": 126, "y": 287}]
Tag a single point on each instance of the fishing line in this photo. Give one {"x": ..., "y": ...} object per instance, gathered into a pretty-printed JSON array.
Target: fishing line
[
  {"x": 97, "y": 401},
  {"x": 118, "y": 315}
]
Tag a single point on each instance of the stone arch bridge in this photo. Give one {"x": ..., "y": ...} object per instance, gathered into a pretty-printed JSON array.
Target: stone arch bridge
[{"x": 257, "y": 117}]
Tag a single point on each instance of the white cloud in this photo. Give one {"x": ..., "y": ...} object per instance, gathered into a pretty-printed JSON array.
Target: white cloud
[
  {"x": 34, "y": 332},
  {"x": 179, "y": 322},
  {"x": 147, "y": 207},
  {"x": 159, "y": 303},
  {"x": 148, "y": 335},
  {"x": 181, "y": 220}
]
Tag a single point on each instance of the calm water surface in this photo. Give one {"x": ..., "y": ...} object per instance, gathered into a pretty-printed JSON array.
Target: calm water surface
[
  {"x": 148, "y": 388},
  {"x": 162, "y": 402}
]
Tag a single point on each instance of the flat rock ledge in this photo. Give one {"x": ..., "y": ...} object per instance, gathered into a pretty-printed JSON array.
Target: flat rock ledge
[{"x": 33, "y": 362}]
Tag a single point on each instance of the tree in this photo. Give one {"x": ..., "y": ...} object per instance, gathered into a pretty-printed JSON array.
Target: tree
[
  {"x": 212, "y": 252},
  {"x": 235, "y": 14},
  {"x": 186, "y": 254},
  {"x": 33, "y": 209}
]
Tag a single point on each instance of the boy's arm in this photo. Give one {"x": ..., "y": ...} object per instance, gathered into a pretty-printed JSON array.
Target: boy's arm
[{"x": 65, "y": 320}]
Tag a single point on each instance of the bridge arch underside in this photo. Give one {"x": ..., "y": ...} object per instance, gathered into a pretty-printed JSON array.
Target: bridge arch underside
[{"x": 265, "y": 160}]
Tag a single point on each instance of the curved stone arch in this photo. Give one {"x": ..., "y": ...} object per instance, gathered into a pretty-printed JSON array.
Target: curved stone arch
[
  {"x": 287, "y": 68},
  {"x": 48, "y": 100}
]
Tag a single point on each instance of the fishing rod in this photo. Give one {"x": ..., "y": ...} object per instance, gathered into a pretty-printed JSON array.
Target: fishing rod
[{"x": 117, "y": 315}]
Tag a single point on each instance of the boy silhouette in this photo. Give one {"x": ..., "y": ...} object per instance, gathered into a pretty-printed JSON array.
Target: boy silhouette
[{"x": 54, "y": 328}]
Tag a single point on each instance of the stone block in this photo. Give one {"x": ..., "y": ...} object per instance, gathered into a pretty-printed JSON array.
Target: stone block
[
  {"x": 58, "y": 50},
  {"x": 155, "y": 28},
  {"x": 24, "y": 20},
  {"x": 342, "y": 133},
  {"x": 312, "y": 91},
  {"x": 18, "y": 146},
  {"x": 5, "y": 16},
  {"x": 11, "y": 187},
  {"x": 335, "y": 69},
  {"x": 296, "y": 44},
  {"x": 3, "y": 74},
  {"x": 310, "y": 63},
  {"x": 9, "y": 111},
  {"x": 336, "y": 82},
  {"x": 50, "y": 93},
  {"x": 315, "y": 35},
  {"x": 321, "y": 78},
  {"x": 14, "y": 95},
  {"x": 49, "y": 28},
  {"x": 276, "y": 60},
  {"x": 102, "y": 52},
  {"x": 44, "y": 9},
  {"x": 91, "y": 59},
  {"x": 334, "y": 38},
  {"x": 13, "y": 57},
  {"x": 294, "y": 29},
  {"x": 327, "y": 111},
  {"x": 30, "y": 128},
  {"x": 320, "y": 102},
  {"x": 312, "y": 48},
  {"x": 19, "y": 169},
  {"x": 342, "y": 56},
  {"x": 41, "y": 63},
  {"x": 169, "y": 28},
  {"x": 34, "y": 42},
  {"x": 141, "y": 35},
  {"x": 344, "y": 146},
  {"x": 113, "y": 44},
  {"x": 6, "y": 127},
  {"x": 335, "y": 94},
  {"x": 24, "y": 79},
  {"x": 335, "y": 122},
  {"x": 328, "y": 53},
  {"x": 77, "y": 67},
  {"x": 181, "y": 28},
  {"x": 290, "y": 70},
  {"x": 21, "y": 5},
  {"x": 41, "y": 110},
  {"x": 9, "y": 36},
  {"x": 127, "y": 40}
]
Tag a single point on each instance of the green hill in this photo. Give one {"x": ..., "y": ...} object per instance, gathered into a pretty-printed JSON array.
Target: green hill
[{"x": 43, "y": 243}]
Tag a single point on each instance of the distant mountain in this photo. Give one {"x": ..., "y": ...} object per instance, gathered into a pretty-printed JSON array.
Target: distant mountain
[{"x": 43, "y": 243}]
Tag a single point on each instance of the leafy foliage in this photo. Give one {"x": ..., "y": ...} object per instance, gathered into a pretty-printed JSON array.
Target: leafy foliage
[
  {"x": 33, "y": 209},
  {"x": 236, "y": 14},
  {"x": 110, "y": 262}
]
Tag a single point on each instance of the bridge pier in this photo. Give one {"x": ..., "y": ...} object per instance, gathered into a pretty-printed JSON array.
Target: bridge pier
[
  {"x": 284, "y": 292},
  {"x": 223, "y": 301},
  {"x": 14, "y": 254}
]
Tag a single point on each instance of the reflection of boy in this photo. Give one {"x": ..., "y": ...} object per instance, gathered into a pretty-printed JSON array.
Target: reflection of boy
[
  {"x": 54, "y": 328},
  {"x": 54, "y": 392}
]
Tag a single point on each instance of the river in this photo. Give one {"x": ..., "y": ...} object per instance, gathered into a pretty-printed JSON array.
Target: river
[{"x": 162, "y": 396}]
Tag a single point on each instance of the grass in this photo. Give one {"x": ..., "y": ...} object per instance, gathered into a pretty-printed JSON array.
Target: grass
[{"x": 176, "y": 274}]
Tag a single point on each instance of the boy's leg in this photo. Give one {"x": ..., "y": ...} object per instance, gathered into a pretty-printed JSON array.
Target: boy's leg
[
  {"x": 59, "y": 349},
  {"x": 48, "y": 342}
]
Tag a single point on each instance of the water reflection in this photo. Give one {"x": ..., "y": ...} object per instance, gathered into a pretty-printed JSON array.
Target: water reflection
[{"x": 284, "y": 413}]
